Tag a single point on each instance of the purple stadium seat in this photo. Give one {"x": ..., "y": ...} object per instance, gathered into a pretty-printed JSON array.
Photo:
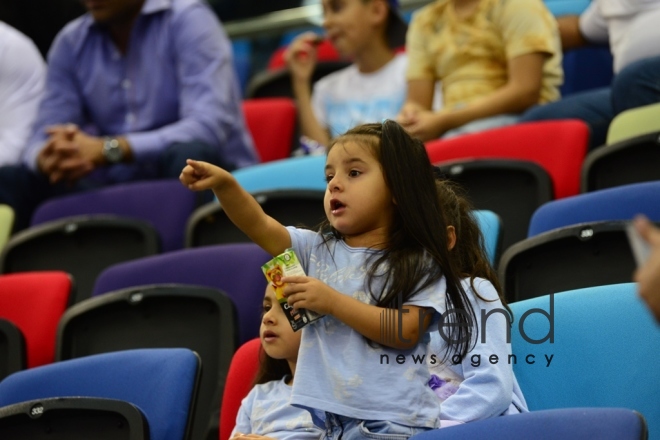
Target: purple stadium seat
[
  {"x": 233, "y": 268},
  {"x": 166, "y": 204}
]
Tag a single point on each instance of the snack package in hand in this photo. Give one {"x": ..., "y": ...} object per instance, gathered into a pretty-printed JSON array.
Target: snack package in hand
[{"x": 287, "y": 264}]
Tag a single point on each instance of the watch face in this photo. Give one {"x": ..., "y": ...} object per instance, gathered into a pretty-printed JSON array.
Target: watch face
[{"x": 111, "y": 150}]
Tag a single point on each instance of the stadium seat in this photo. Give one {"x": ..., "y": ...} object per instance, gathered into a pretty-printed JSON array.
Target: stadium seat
[
  {"x": 272, "y": 123},
  {"x": 34, "y": 302},
  {"x": 603, "y": 342},
  {"x": 159, "y": 316},
  {"x": 634, "y": 122},
  {"x": 6, "y": 224},
  {"x": 619, "y": 203},
  {"x": 12, "y": 349},
  {"x": 272, "y": 83},
  {"x": 162, "y": 383},
  {"x": 305, "y": 172}
]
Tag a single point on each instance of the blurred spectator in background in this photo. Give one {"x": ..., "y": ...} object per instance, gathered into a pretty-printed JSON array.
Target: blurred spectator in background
[
  {"x": 134, "y": 88},
  {"x": 632, "y": 29},
  {"x": 371, "y": 89},
  {"x": 22, "y": 74},
  {"x": 495, "y": 58}
]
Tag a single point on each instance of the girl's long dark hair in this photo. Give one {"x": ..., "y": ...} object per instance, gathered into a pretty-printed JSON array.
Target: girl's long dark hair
[
  {"x": 470, "y": 251},
  {"x": 416, "y": 255},
  {"x": 270, "y": 368}
]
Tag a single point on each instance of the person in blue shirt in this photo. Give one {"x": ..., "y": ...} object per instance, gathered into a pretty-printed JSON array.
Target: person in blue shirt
[
  {"x": 133, "y": 88},
  {"x": 379, "y": 271},
  {"x": 265, "y": 412}
]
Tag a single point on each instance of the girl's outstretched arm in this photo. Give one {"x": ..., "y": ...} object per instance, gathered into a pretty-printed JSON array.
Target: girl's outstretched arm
[
  {"x": 388, "y": 327},
  {"x": 242, "y": 209}
]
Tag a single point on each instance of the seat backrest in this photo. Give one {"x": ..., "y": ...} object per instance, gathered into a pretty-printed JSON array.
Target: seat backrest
[
  {"x": 12, "y": 349},
  {"x": 490, "y": 226},
  {"x": 634, "y": 122},
  {"x": 210, "y": 225},
  {"x": 162, "y": 383},
  {"x": 80, "y": 246},
  {"x": 632, "y": 160},
  {"x": 604, "y": 343},
  {"x": 619, "y": 203},
  {"x": 158, "y": 316},
  {"x": 6, "y": 224},
  {"x": 305, "y": 172},
  {"x": 556, "y": 424},
  {"x": 73, "y": 418},
  {"x": 34, "y": 302},
  {"x": 558, "y": 147},
  {"x": 272, "y": 124},
  {"x": 242, "y": 372},
  {"x": 513, "y": 189},
  {"x": 234, "y": 268},
  {"x": 572, "y": 257},
  {"x": 271, "y": 83},
  {"x": 165, "y": 204}
]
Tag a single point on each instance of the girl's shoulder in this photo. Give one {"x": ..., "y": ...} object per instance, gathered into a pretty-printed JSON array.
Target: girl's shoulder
[{"x": 480, "y": 289}]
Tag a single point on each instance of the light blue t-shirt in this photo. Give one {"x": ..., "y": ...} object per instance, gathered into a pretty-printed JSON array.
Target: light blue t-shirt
[
  {"x": 483, "y": 384},
  {"x": 338, "y": 371},
  {"x": 266, "y": 411}
]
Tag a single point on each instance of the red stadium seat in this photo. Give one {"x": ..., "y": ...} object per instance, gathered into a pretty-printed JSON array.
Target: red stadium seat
[
  {"x": 242, "y": 371},
  {"x": 272, "y": 123},
  {"x": 34, "y": 302},
  {"x": 325, "y": 51},
  {"x": 557, "y": 146}
]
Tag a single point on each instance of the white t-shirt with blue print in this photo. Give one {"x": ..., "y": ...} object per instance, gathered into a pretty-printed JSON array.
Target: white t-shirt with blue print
[
  {"x": 346, "y": 98},
  {"x": 338, "y": 371},
  {"x": 266, "y": 411}
]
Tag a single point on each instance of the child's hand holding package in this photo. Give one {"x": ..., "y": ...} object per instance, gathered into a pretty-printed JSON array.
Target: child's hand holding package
[{"x": 287, "y": 265}]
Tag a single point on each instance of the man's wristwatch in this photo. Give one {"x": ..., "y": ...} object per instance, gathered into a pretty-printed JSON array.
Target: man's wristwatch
[{"x": 112, "y": 151}]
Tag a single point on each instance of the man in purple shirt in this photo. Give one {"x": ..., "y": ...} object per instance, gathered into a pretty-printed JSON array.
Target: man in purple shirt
[{"x": 134, "y": 88}]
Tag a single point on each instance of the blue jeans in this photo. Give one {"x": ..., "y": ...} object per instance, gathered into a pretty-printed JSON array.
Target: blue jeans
[
  {"x": 636, "y": 85},
  {"x": 345, "y": 428},
  {"x": 24, "y": 190}
]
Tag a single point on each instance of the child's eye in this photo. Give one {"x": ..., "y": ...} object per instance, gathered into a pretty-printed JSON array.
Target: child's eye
[
  {"x": 354, "y": 173},
  {"x": 266, "y": 308},
  {"x": 328, "y": 178}
]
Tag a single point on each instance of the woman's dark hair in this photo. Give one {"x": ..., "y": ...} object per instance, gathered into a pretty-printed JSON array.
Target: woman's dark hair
[
  {"x": 469, "y": 252},
  {"x": 270, "y": 368},
  {"x": 416, "y": 255}
]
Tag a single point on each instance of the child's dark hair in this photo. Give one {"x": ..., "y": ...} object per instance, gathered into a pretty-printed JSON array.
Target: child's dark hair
[
  {"x": 416, "y": 255},
  {"x": 270, "y": 368},
  {"x": 469, "y": 252}
]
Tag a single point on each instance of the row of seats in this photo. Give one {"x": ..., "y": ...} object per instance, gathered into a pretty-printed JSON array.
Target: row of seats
[{"x": 567, "y": 349}]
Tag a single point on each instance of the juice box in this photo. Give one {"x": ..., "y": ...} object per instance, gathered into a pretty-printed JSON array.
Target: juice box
[{"x": 287, "y": 264}]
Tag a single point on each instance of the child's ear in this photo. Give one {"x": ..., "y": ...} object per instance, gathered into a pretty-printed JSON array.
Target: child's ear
[
  {"x": 380, "y": 10},
  {"x": 451, "y": 237}
]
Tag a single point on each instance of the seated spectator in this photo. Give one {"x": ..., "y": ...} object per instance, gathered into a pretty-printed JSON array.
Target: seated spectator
[
  {"x": 134, "y": 88},
  {"x": 22, "y": 74},
  {"x": 633, "y": 32},
  {"x": 495, "y": 59},
  {"x": 371, "y": 89}
]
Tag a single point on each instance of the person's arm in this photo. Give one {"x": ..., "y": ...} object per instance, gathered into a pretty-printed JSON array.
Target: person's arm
[
  {"x": 209, "y": 96},
  {"x": 569, "y": 32},
  {"x": 61, "y": 102},
  {"x": 241, "y": 208},
  {"x": 419, "y": 99},
  {"x": 521, "y": 91},
  {"x": 648, "y": 276},
  {"x": 300, "y": 58},
  {"x": 312, "y": 294},
  {"x": 22, "y": 77}
]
